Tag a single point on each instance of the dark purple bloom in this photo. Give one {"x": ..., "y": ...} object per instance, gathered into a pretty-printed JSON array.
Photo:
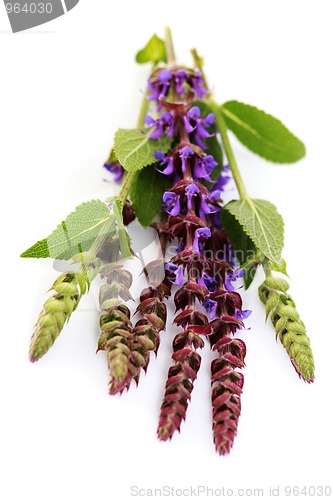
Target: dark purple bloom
[
  {"x": 159, "y": 87},
  {"x": 165, "y": 123},
  {"x": 210, "y": 306},
  {"x": 197, "y": 125},
  {"x": 202, "y": 232},
  {"x": 180, "y": 77},
  {"x": 171, "y": 203},
  {"x": 164, "y": 160},
  {"x": 177, "y": 271},
  {"x": 185, "y": 153},
  {"x": 198, "y": 84},
  {"x": 209, "y": 282},
  {"x": 222, "y": 180},
  {"x": 239, "y": 314},
  {"x": 203, "y": 167},
  {"x": 116, "y": 169},
  {"x": 230, "y": 277},
  {"x": 207, "y": 203},
  {"x": 190, "y": 191}
]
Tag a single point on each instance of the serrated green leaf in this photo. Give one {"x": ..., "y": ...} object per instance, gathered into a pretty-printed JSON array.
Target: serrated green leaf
[
  {"x": 154, "y": 51},
  {"x": 262, "y": 223},
  {"x": 146, "y": 194},
  {"x": 39, "y": 250},
  {"x": 135, "y": 150},
  {"x": 262, "y": 133},
  {"x": 124, "y": 241},
  {"x": 244, "y": 248},
  {"x": 75, "y": 234}
]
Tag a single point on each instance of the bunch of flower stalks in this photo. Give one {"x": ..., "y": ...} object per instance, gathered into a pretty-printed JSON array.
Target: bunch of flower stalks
[{"x": 173, "y": 169}]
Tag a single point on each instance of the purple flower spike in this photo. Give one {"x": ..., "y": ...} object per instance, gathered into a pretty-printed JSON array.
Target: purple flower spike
[
  {"x": 171, "y": 203},
  {"x": 190, "y": 191},
  {"x": 202, "y": 232},
  {"x": 230, "y": 277},
  {"x": 210, "y": 306},
  {"x": 116, "y": 169},
  {"x": 177, "y": 271},
  {"x": 185, "y": 153},
  {"x": 164, "y": 160}
]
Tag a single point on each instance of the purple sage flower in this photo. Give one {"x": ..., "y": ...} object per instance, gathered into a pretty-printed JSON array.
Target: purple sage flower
[
  {"x": 209, "y": 282},
  {"x": 197, "y": 125},
  {"x": 185, "y": 153},
  {"x": 171, "y": 203},
  {"x": 190, "y": 191},
  {"x": 159, "y": 86},
  {"x": 202, "y": 232},
  {"x": 177, "y": 271},
  {"x": 239, "y": 314},
  {"x": 207, "y": 205},
  {"x": 210, "y": 306},
  {"x": 203, "y": 167},
  {"x": 116, "y": 169},
  {"x": 165, "y": 123},
  {"x": 164, "y": 160},
  {"x": 230, "y": 277}
]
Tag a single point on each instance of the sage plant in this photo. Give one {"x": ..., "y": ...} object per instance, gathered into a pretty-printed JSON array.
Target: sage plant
[{"x": 173, "y": 169}]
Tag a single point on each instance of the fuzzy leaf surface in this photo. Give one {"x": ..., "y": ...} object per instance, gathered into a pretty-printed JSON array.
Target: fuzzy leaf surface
[
  {"x": 262, "y": 133},
  {"x": 262, "y": 223},
  {"x": 135, "y": 150},
  {"x": 146, "y": 194},
  {"x": 75, "y": 234}
]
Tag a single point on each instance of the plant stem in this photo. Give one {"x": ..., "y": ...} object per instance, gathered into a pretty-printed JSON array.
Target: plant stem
[
  {"x": 228, "y": 149},
  {"x": 171, "y": 56},
  {"x": 198, "y": 61}
]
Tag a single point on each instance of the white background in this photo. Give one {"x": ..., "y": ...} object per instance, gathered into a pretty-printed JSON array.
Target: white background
[{"x": 65, "y": 88}]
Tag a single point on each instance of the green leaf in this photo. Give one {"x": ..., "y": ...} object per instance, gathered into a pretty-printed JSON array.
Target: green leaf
[
  {"x": 146, "y": 194},
  {"x": 124, "y": 240},
  {"x": 154, "y": 51},
  {"x": 39, "y": 250},
  {"x": 262, "y": 223},
  {"x": 262, "y": 133},
  {"x": 75, "y": 234},
  {"x": 280, "y": 266},
  {"x": 243, "y": 246},
  {"x": 135, "y": 149}
]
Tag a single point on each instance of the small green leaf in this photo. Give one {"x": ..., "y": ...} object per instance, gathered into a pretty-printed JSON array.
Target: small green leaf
[
  {"x": 124, "y": 241},
  {"x": 262, "y": 133},
  {"x": 243, "y": 246},
  {"x": 262, "y": 223},
  {"x": 146, "y": 194},
  {"x": 280, "y": 266},
  {"x": 154, "y": 52},
  {"x": 135, "y": 149},
  {"x": 75, "y": 234}
]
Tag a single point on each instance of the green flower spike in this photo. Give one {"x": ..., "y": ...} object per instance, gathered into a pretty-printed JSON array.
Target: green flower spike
[
  {"x": 69, "y": 288},
  {"x": 289, "y": 328}
]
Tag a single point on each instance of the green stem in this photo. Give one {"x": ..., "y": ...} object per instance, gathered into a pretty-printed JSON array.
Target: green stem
[
  {"x": 198, "y": 61},
  {"x": 171, "y": 56}
]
